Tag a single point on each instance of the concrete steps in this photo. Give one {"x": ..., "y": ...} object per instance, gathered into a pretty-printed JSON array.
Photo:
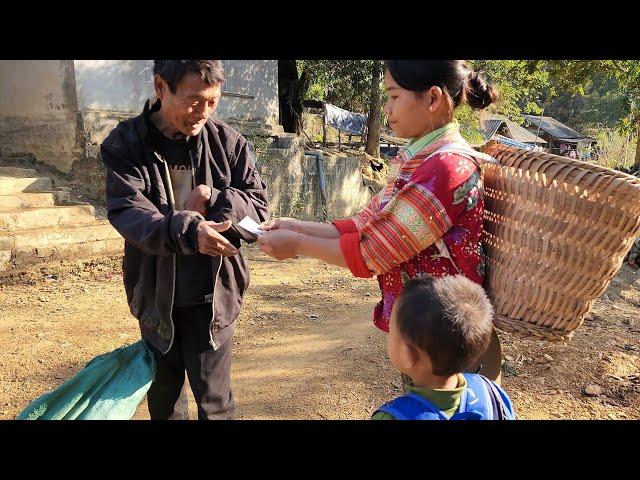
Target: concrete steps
[
  {"x": 74, "y": 251},
  {"x": 11, "y": 185},
  {"x": 50, "y": 237},
  {"x": 39, "y": 224},
  {"x": 33, "y": 200},
  {"x": 21, "y": 258},
  {"x": 17, "y": 172},
  {"x": 26, "y": 218}
]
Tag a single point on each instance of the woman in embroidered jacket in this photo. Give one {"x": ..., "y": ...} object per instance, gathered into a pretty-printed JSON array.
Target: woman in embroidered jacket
[{"x": 428, "y": 219}]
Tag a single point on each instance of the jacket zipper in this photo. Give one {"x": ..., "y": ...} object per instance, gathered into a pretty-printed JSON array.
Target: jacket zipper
[
  {"x": 213, "y": 308},
  {"x": 172, "y": 203},
  {"x": 215, "y": 277}
]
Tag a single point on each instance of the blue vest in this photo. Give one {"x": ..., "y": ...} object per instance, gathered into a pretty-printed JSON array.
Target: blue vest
[{"x": 483, "y": 399}]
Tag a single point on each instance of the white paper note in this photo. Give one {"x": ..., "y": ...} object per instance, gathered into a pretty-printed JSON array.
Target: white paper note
[{"x": 250, "y": 226}]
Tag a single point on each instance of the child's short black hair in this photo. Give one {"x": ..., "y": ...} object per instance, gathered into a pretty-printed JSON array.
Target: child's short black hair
[{"x": 449, "y": 318}]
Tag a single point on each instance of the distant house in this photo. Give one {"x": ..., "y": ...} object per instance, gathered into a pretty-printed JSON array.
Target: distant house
[
  {"x": 561, "y": 138},
  {"x": 504, "y": 130}
]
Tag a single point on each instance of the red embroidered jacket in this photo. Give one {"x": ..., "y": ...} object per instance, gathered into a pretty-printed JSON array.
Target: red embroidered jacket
[{"x": 427, "y": 221}]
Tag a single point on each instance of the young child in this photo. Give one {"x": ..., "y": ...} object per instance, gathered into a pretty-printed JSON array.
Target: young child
[{"x": 438, "y": 328}]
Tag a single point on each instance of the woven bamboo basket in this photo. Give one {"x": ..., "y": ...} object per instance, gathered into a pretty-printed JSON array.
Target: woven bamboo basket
[{"x": 556, "y": 232}]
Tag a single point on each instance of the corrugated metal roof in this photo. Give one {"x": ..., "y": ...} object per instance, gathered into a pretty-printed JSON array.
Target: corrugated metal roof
[
  {"x": 516, "y": 132},
  {"x": 557, "y": 129},
  {"x": 514, "y": 143},
  {"x": 491, "y": 126}
]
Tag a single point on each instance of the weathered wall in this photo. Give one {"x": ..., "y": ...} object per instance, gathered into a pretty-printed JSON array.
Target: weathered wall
[
  {"x": 113, "y": 85},
  {"x": 251, "y": 91},
  {"x": 61, "y": 110},
  {"x": 109, "y": 90},
  {"x": 294, "y": 189},
  {"x": 291, "y": 181},
  {"x": 58, "y": 109},
  {"x": 346, "y": 191},
  {"x": 112, "y": 90},
  {"x": 38, "y": 111}
]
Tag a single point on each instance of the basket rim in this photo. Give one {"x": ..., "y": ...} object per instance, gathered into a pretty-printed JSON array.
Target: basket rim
[
  {"x": 557, "y": 158},
  {"x": 525, "y": 329}
]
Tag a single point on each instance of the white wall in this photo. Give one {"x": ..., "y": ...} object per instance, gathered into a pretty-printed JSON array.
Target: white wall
[
  {"x": 113, "y": 85},
  {"x": 254, "y": 78},
  {"x": 40, "y": 101},
  {"x": 35, "y": 87},
  {"x": 124, "y": 85},
  {"x": 38, "y": 111}
]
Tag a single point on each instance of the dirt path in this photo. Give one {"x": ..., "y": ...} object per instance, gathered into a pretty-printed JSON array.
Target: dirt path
[{"x": 288, "y": 364}]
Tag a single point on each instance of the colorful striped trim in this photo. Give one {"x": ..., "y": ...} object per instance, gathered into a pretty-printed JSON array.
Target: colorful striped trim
[{"x": 412, "y": 221}]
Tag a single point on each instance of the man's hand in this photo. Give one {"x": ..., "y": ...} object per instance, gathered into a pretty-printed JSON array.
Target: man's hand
[
  {"x": 280, "y": 244},
  {"x": 199, "y": 199},
  {"x": 283, "y": 223},
  {"x": 210, "y": 242}
]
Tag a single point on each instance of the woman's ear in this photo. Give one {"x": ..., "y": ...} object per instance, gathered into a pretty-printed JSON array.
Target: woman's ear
[{"x": 434, "y": 97}]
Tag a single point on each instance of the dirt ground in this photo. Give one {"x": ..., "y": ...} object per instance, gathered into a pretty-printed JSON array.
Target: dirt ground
[{"x": 305, "y": 346}]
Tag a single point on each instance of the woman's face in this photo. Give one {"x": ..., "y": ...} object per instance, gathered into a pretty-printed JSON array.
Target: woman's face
[
  {"x": 414, "y": 114},
  {"x": 407, "y": 111}
]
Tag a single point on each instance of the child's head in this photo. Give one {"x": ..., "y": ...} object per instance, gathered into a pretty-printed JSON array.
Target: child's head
[
  {"x": 439, "y": 326},
  {"x": 422, "y": 94}
]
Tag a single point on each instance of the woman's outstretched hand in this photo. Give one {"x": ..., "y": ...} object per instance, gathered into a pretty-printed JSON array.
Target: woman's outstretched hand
[
  {"x": 280, "y": 243},
  {"x": 282, "y": 223}
]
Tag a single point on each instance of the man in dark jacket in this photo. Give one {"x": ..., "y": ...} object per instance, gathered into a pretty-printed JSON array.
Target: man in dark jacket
[{"x": 178, "y": 182}]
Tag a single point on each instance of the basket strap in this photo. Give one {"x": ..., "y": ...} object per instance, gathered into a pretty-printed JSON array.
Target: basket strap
[{"x": 475, "y": 157}]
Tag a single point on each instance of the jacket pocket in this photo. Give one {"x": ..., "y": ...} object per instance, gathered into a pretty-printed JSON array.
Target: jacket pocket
[{"x": 139, "y": 280}]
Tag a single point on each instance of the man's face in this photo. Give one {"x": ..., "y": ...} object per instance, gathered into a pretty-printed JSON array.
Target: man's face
[{"x": 193, "y": 103}]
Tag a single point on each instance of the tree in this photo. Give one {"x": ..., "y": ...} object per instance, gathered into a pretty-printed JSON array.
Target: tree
[
  {"x": 602, "y": 105},
  {"x": 524, "y": 86},
  {"x": 574, "y": 76},
  {"x": 581, "y": 92},
  {"x": 354, "y": 85},
  {"x": 291, "y": 92},
  {"x": 375, "y": 117}
]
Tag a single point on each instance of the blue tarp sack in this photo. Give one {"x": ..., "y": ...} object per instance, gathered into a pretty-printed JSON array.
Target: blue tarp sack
[
  {"x": 109, "y": 387},
  {"x": 344, "y": 120}
]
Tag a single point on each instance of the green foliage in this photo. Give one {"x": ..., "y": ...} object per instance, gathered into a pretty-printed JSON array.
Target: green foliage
[
  {"x": 576, "y": 76},
  {"x": 616, "y": 149},
  {"x": 469, "y": 125},
  {"x": 316, "y": 91},
  {"x": 601, "y": 106},
  {"x": 344, "y": 83},
  {"x": 523, "y": 85},
  {"x": 617, "y": 80},
  {"x": 581, "y": 93}
]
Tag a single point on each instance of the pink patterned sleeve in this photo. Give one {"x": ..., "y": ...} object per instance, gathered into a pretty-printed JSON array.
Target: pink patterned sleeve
[{"x": 419, "y": 214}]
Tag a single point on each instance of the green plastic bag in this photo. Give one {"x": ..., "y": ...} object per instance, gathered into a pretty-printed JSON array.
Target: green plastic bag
[{"x": 109, "y": 387}]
